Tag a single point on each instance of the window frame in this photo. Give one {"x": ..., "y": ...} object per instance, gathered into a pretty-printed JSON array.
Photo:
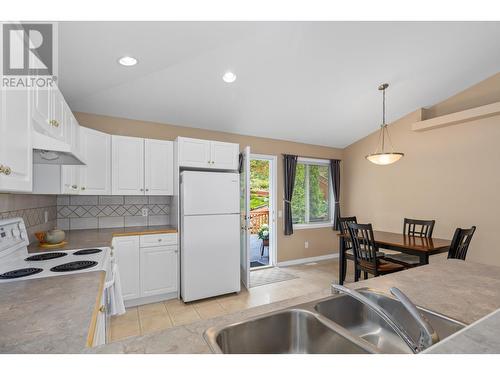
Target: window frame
[{"x": 322, "y": 224}]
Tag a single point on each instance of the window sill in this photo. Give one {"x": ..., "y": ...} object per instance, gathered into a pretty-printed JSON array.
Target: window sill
[{"x": 312, "y": 226}]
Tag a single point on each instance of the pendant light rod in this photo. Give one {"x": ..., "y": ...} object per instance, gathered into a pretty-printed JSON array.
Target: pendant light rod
[{"x": 381, "y": 156}]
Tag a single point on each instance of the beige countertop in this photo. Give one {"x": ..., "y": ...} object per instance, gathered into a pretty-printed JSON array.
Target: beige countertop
[
  {"x": 463, "y": 290},
  {"x": 49, "y": 315},
  {"x": 87, "y": 238}
]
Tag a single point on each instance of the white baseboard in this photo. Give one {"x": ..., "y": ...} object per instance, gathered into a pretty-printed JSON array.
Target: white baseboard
[{"x": 294, "y": 262}]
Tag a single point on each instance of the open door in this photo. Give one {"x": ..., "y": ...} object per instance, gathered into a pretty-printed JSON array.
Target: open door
[{"x": 245, "y": 217}]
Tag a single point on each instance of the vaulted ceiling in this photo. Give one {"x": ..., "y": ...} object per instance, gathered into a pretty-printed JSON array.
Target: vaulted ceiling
[{"x": 311, "y": 82}]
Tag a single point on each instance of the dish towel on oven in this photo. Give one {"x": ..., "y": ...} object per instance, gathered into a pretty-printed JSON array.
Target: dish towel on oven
[{"x": 115, "y": 293}]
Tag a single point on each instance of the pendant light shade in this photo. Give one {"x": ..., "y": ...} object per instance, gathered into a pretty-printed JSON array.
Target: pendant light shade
[{"x": 382, "y": 156}]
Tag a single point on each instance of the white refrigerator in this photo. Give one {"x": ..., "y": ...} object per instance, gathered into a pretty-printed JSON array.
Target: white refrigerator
[{"x": 210, "y": 234}]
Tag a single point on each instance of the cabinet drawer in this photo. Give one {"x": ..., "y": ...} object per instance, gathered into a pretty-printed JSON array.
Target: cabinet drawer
[{"x": 151, "y": 240}]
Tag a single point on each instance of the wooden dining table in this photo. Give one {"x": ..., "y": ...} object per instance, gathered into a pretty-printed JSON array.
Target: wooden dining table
[{"x": 414, "y": 245}]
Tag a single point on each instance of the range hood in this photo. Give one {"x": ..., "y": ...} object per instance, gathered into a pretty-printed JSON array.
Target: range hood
[{"x": 47, "y": 150}]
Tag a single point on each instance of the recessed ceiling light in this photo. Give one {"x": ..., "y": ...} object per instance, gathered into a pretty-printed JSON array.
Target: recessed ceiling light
[
  {"x": 127, "y": 61},
  {"x": 229, "y": 77}
]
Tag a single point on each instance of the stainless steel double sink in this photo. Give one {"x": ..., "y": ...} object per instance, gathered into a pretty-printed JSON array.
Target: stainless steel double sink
[{"x": 334, "y": 325}]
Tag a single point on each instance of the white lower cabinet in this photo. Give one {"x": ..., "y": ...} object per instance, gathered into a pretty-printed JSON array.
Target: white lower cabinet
[
  {"x": 150, "y": 273},
  {"x": 158, "y": 270},
  {"x": 100, "y": 326},
  {"x": 127, "y": 254}
]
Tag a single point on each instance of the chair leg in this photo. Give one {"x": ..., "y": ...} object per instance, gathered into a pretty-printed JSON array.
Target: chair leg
[
  {"x": 366, "y": 275},
  {"x": 357, "y": 273},
  {"x": 262, "y": 249}
]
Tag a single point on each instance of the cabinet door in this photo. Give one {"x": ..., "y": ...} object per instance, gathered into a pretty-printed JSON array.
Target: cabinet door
[
  {"x": 95, "y": 176},
  {"x": 224, "y": 155},
  {"x": 194, "y": 152},
  {"x": 15, "y": 141},
  {"x": 57, "y": 121},
  {"x": 70, "y": 179},
  {"x": 126, "y": 250},
  {"x": 41, "y": 109},
  {"x": 159, "y": 167},
  {"x": 127, "y": 166},
  {"x": 100, "y": 328},
  {"x": 158, "y": 270}
]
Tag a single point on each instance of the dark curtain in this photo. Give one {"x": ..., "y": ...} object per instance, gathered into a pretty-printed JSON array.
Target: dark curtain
[
  {"x": 335, "y": 172},
  {"x": 290, "y": 164}
]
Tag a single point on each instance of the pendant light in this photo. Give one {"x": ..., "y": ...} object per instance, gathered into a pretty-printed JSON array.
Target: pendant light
[{"x": 381, "y": 156}]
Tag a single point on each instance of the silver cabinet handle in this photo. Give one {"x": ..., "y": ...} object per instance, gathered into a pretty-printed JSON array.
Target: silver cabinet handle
[
  {"x": 83, "y": 187},
  {"x": 141, "y": 189},
  {"x": 159, "y": 239},
  {"x": 5, "y": 170},
  {"x": 74, "y": 187},
  {"x": 147, "y": 189}
]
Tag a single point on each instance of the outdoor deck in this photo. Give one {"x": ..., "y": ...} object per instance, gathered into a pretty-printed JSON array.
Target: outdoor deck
[{"x": 255, "y": 244}]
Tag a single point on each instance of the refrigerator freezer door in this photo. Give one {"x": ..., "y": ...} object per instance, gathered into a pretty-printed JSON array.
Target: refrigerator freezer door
[
  {"x": 209, "y": 193},
  {"x": 210, "y": 257}
]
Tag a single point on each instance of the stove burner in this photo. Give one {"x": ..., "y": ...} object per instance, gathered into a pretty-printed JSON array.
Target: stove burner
[
  {"x": 22, "y": 272},
  {"x": 87, "y": 251},
  {"x": 45, "y": 256},
  {"x": 74, "y": 266}
]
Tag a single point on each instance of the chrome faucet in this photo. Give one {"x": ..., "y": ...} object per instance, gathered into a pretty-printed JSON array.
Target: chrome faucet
[{"x": 428, "y": 335}]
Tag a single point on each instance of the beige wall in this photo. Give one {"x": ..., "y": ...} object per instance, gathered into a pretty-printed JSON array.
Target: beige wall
[
  {"x": 321, "y": 241},
  {"x": 449, "y": 174}
]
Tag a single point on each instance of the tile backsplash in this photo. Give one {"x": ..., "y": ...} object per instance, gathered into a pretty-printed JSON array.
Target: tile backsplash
[
  {"x": 33, "y": 208},
  {"x": 103, "y": 211}
]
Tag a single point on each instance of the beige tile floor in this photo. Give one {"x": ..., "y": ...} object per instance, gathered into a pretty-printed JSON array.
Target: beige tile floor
[{"x": 158, "y": 316}]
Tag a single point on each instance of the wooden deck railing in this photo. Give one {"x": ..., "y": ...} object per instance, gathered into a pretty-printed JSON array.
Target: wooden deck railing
[{"x": 257, "y": 219}]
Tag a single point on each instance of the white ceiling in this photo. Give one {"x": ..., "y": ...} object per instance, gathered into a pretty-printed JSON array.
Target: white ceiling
[{"x": 311, "y": 82}]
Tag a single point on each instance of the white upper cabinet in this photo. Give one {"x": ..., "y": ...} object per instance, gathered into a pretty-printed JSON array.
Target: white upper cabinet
[
  {"x": 204, "y": 154},
  {"x": 48, "y": 113},
  {"x": 194, "y": 152},
  {"x": 95, "y": 176},
  {"x": 224, "y": 155},
  {"x": 70, "y": 179},
  {"x": 141, "y": 166},
  {"x": 127, "y": 165},
  {"x": 15, "y": 142},
  {"x": 158, "y": 167}
]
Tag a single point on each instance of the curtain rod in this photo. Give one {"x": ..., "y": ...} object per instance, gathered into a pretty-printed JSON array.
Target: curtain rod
[{"x": 312, "y": 157}]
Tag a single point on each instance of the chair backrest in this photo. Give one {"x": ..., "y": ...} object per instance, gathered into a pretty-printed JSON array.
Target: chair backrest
[
  {"x": 460, "y": 243},
  {"x": 344, "y": 229},
  {"x": 343, "y": 221},
  {"x": 419, "y": 228},
  {"x": 364, "y": 246}
]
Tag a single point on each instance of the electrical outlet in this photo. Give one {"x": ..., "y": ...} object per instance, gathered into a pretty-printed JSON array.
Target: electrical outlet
[
  {"x": 306, "y": 244},
  {"x": 144, "y": 212}
]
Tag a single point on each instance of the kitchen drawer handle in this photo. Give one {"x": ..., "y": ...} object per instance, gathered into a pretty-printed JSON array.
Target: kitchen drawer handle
[
  {"x": 74, "y": 187},
  {"x": 159, "y": 239},
  {"x": 54, "y": 123},
  {"x": 5, "y": 170},
  {"x": 83, "y": 187},
  {"x": 102, "y": 308}
]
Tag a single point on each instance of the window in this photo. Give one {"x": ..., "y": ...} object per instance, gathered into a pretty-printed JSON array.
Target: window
[{"x": 311, "y": 201}]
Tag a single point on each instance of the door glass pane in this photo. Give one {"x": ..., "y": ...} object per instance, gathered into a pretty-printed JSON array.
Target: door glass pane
[
  {"x": 319, "y": 188},
  {"x": 299, "y": 196}
]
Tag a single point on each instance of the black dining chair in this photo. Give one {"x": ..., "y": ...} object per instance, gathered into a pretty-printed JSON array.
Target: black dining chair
[
  {"x": 344, "y": 230},
  {"x": 366, "y": 252},
  {"x": 460, "y": 243},
  {"x": 415, "y": 228}
]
